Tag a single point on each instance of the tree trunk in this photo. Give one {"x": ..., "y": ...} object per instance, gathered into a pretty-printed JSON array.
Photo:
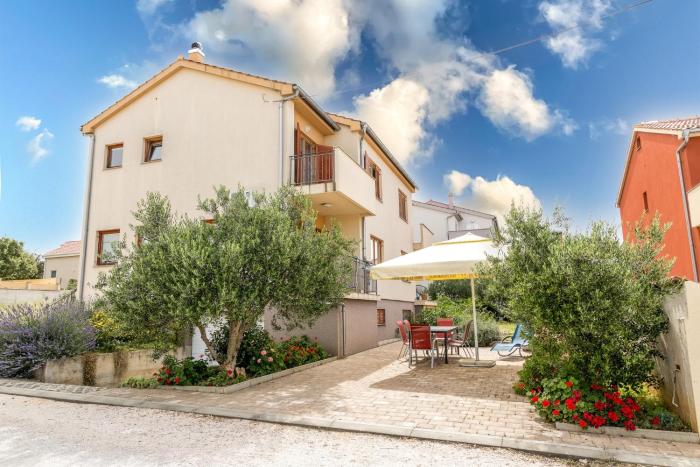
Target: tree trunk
[
  {"x": 203, "y": 332},
  {"x": 235, "y": 335}
]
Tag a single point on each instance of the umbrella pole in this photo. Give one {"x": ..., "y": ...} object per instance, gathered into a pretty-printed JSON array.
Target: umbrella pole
[{"x": 476, "y": 331}]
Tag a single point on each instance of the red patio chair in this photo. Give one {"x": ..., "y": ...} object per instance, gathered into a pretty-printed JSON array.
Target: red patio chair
[
  {"x": 445, "y": 322},
  {"x": 421, "y": 339},
  {"x": 404, "y": 337}
]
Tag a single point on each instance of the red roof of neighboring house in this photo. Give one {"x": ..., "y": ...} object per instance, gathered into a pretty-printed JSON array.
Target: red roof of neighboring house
[
  {"x": 677, "y": 124},
  {"x": 69, "y": 248}
]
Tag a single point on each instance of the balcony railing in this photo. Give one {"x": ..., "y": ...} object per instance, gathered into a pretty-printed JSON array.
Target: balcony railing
[
  {"x": 361, "y": 280},
  {"x": 309, "y": 169}
]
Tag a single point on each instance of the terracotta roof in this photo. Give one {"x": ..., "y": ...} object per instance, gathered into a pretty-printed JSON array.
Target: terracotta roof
[
  {"x": 677, "y": 124},
  {"x": 69, "y": 248}
]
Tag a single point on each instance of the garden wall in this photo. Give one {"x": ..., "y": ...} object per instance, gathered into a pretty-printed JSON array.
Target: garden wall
[
  {"x": 681, "y": 350},
  {"x": 12, "y": 296},
  {"x": 101, "y": 369}
]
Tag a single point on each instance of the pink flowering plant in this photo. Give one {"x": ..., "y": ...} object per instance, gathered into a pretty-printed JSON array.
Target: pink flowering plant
[{"x": 268, "y": 360}]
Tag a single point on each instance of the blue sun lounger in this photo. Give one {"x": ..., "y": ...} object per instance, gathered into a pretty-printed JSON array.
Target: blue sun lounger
[{"x": 516, "y": 343}]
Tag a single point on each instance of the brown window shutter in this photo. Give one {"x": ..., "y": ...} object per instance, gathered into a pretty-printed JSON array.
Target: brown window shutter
[{"x": 324, "y": 168}]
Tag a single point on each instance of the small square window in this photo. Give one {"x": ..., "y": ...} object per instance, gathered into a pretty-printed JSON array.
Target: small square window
[
  {"x": 154, "y": 149},
  {"x": 381, "y": 317},
  {"x": 107, "y": 243},
  {"x": 53, "y": 274},
  {"x": 115, "y": 154}
]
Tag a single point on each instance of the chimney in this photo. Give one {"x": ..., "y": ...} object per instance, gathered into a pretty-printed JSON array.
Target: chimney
[
  {"x": 196, "y": 54},
  {"x": 451, "y": 200}
]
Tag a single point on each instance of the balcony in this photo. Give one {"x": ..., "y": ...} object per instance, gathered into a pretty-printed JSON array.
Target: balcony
[
  {"x": 694, "y": 205},
  {"x": 335, "y": 182},
  {"x": 361, "y": 282}
]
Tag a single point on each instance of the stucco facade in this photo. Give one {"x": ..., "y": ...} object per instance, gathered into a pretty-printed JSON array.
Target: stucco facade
[
  {"x": 220, "y": 127},
  {"x": 652, "y": 183},
  {"x": 63, "y": 268},
  {"x": 447, "y": 220}
]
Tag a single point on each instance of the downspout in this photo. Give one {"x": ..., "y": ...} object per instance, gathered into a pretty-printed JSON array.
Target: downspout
[
  {"x": 363, "y": 131},
  {"x": 281, "y": 112},
  {"x": 86, "y": 218},
  {"x": 684, "y": 196}
]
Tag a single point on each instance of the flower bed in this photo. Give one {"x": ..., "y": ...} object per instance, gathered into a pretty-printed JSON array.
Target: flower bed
[
  {"x": 660, "y": 435},
  {"x": 565, "y": 400},
  {"x": 270, "y": 359}
]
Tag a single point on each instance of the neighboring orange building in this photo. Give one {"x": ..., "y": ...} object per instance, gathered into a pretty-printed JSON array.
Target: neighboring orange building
[{"x": 662, "y": 175}]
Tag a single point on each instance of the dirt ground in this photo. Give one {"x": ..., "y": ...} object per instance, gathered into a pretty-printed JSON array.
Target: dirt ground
[{"x": 43, "y": 432}]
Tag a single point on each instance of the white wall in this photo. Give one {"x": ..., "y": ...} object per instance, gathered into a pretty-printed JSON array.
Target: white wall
[
  {"x": 439, "y": 222},
  {"x": 66, "y": 268}
]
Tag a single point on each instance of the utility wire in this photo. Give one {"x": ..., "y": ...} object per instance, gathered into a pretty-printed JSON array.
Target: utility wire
[{"x": 537, "y": 39}]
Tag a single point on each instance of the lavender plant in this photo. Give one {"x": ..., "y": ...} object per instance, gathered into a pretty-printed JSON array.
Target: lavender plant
[{"x": 31, "y": 335}]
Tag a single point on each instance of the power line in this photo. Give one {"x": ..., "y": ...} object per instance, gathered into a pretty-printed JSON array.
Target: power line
[{"x": 505, "y": 49}]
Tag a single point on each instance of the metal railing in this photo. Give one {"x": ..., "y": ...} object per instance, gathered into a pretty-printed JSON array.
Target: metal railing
[
  {"x": 361, "y": 280},
  {"x": 308, "y": 169}
]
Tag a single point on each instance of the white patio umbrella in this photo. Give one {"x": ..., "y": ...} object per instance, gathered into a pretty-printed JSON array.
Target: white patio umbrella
[{"x": 452, "y": 259}]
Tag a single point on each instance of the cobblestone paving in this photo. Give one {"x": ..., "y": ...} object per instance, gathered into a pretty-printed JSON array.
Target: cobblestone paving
[
  {"x": 29, "y": 384},
  {"x": 374, "y": 387}
]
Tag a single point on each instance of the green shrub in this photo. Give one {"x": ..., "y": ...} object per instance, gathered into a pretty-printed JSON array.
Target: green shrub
[
  {"x": 267, "y": 361},
  {"x": 110, "y": 336},
  {"x": 140, "y": 383},
  {"x": 592, "y": 304},
  {"x": 298, "y": 351},
  {"x": 254, "y": 340},
  {"x": 461, "y": 312}
]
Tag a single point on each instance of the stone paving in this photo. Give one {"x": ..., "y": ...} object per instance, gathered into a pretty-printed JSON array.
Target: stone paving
[
  {"x": 64, "y": 388},
  {"x": 373, "y": 388}
]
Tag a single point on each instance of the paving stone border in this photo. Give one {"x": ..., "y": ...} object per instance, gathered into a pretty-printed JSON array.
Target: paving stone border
[
  {"x": 659, "y": 435},
  {"x": 541, "y": 447},
  {"x": 249, "y": 382}
]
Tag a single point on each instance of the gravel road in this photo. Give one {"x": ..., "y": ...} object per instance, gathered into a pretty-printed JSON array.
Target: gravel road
[{"x": 43, "y": 432}]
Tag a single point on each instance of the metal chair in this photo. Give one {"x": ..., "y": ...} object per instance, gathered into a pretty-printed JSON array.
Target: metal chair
[
  {"x": 421, "y": 339},
  {"x": 404, "y": 338},
  {"x": 464, "y": 343}
]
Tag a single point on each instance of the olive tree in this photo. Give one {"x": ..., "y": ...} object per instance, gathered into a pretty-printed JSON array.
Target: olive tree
[
  {"x": 16, "y": 263},
  {"x": 593, "y": 305},
  {"x": 254, "y": 252}
]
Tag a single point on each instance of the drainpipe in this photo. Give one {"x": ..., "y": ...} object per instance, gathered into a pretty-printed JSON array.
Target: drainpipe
[
  {"x": 86, "y": 218},
  {"x": 684, "y": 196},
  {"x": 281, "y": 111},
  {"x": 363, "y": 131}
]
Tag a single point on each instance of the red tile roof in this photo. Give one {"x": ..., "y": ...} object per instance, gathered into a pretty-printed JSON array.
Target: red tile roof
[
  {"x": 678, "y": 124},
  {"x": 71, "y": 247}
]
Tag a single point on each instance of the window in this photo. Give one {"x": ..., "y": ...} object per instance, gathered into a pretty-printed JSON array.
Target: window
[
  {"x": 407, "y": 315},
  {"x": 114, "y": 155},
  {"x": 645, "y": 200},
  {"x": 403, "y": 208},
  {"x": 381, "y": 317},
  {"x": 376, "y": 250},
  {"x": 107, "y": 241},
  {"x": 154, "y": 149},
  {"x": 376, "y": 173},
  {"x": 638, "y": 143},
  {"x": 53, "y": 274}
]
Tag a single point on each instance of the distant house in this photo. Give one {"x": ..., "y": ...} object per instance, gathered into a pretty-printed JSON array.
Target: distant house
[
  {"x": 662, "y": 174},
  {"x": 434, "y": 221},
  {"x": 63, "y": 263}
]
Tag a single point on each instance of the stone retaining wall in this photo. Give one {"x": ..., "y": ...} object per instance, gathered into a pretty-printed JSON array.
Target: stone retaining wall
[{"x": 101, "y": 369}]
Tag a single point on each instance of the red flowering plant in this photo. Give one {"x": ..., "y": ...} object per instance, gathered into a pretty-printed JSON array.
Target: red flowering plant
[
  {"x": 196, "y": 372},
  {"x": 300, "y": 350},
  {"x": 592, "y": 405}
]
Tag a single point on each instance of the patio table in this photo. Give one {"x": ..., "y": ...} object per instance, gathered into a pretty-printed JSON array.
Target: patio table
[{"x": 444, "y": 330}]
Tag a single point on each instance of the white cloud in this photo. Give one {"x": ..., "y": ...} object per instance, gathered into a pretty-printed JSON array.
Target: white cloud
[
  {"x": 37, "y": 145},
  {"x": 148, "y": 7},
  {"x": 301, "y": 41},
  {"x": 617, "y": 126},
  {"x": 457, "y": 181},
  {"x": 574, "y": 23},
  {"x": 507, "y": 99},
  {"x": 28, "y": 123},
  {"x": 491, "y": 196},
  {"x": 117, "y": 81}
]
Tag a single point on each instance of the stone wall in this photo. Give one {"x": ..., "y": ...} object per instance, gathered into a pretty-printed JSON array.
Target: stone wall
[
  {"x": 101, "y": 369},
  {"x": 680, "y": 367}
]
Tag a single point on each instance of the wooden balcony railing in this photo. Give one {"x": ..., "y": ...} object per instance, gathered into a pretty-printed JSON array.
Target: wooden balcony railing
[{"x": 308, "y": 169}]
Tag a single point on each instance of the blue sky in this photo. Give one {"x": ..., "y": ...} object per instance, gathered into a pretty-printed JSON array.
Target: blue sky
[{"x": 544, "y": 124}]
